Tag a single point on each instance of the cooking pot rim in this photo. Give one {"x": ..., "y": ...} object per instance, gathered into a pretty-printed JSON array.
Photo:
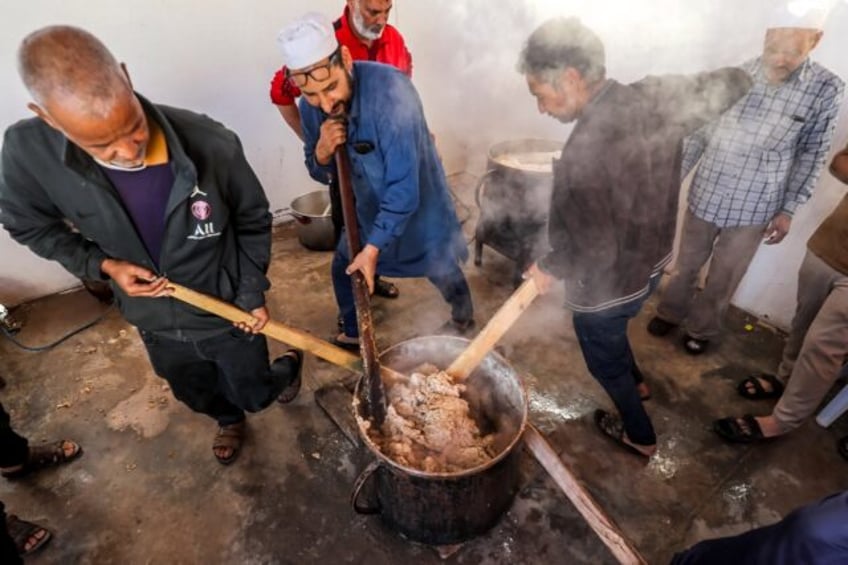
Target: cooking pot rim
[
  {"x": 447, "y": 475},
  {"x": 294, "y": 212},
  {"x": 513, "y": 145}
]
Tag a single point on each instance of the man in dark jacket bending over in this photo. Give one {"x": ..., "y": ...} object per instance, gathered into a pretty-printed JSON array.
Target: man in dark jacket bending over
[
  {"x": 614, "y": 200},
  {"x": 155, "y": 192}
]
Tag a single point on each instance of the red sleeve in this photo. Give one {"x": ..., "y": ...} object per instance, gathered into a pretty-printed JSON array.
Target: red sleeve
[
  {"x": 283, "y": 93},
  {"x": 396, "y": 54},
  {"x": 407, "y": 68}
]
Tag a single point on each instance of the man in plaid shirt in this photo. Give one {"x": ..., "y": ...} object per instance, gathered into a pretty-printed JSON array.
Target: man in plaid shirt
[{"x": 759, "y": 162}]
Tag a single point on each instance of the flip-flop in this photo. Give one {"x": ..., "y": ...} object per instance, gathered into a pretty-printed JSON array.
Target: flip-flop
[
  {"x": 760, "y": 393},
  {"x": 22, "y": 531},
  {"x": 290, "y": 391},
  {"x": 612, "y": 427},
  {"x": 44, "y": 456},
  {"x": 731, "y": 430}
]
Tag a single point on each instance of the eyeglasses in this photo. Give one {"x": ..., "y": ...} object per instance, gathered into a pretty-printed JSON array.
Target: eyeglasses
[{"x": 319, "y": 73}]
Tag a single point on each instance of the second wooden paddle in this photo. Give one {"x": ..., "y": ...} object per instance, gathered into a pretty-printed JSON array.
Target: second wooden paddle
[
  {"x": 376, "y": 398},
  {"x": 503, "y": 319}
]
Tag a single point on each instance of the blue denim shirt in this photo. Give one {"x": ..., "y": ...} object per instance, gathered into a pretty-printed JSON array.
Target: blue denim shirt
[{"x": 403, "y": 203}]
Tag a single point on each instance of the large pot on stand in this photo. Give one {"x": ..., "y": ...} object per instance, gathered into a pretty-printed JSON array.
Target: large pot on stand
[{"x": 514, "y": 198}]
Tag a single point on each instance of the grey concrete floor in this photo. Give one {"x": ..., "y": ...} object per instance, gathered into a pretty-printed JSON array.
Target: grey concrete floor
[{"x": 147, "y": 489}]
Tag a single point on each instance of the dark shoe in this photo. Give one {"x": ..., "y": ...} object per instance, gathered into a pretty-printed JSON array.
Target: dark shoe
[
  {"x": 759, "y": 391},
  {"x": 695, "y": 346},
  {"x": 385, "y": 288},
  {"x": 2, "y": 382},
  {"x": 612, "y": 427},
  {"x": 345, "y": 342},
  {"x": 458, "y": 328},
  {"x": 290, "y": 391},
  {"x": 739, "y": 430},
  {"x": 25, "y": 535},
  {"x": 42, "y": 457},
  {"x": 229, "y": 437},
  {"x": 659, "y": 327}
]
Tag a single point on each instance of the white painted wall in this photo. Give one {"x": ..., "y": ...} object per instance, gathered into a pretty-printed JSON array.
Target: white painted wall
[{"x": 218, "y": 56}]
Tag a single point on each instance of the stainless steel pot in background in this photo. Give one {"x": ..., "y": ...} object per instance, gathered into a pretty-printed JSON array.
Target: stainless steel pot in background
[{"x": 314, "y": 226}]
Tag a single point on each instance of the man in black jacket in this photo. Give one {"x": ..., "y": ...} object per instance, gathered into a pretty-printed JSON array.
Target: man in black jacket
[
  {"x": 156, "y": 194},
  {"x": 614, "y": 201}
]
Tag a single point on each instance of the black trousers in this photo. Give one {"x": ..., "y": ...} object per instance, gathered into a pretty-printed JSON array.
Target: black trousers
[
  {"x": 221, "y": 376},
  {"x": 13, "y": 448},
  {"x": 8, "y": 550},
  {"x": 13, "y": 451}
]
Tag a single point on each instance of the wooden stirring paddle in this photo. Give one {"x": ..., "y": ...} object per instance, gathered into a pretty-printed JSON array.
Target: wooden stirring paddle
[
  {"x": 497, "y": 326},
  {"x": 376, "y": 399}
]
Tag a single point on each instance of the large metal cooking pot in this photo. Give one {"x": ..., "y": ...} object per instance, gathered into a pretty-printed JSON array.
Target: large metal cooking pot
[
  {"x": 314, "y": 222},
  {"x": 514, "y": 197},
  {"x": 445, "y": 508}
]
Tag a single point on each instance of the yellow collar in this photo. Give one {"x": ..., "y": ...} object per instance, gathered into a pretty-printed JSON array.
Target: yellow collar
[{"x": 157, "y": 146}]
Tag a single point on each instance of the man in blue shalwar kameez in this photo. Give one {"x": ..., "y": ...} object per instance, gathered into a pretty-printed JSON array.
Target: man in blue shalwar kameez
[{"x": 407, "y": 221}]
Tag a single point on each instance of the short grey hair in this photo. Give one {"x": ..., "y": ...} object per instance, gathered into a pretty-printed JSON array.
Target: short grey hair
[
  {"x": 65, "y": 63},
  {"x": 560, "y": 43}
]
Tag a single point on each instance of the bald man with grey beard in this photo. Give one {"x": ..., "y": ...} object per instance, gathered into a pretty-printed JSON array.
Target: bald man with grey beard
[{"x": 155, "y": 194}]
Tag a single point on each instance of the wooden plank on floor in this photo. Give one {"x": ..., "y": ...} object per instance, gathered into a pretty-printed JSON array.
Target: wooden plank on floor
[{"x": 336, "y": 401}]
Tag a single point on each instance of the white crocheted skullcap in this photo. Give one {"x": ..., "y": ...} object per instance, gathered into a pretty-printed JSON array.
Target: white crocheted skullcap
[{"x": 307, "y": 40}]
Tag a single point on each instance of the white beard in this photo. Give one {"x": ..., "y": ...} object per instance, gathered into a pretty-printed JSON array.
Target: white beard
[{"x": 375, "y": 32}]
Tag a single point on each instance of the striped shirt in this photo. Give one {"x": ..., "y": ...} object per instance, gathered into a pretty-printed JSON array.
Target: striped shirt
[{"x": 765, "y": 154}]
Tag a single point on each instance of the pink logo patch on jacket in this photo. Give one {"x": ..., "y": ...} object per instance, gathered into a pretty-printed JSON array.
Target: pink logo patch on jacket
[{"x": 201, "y": 209}]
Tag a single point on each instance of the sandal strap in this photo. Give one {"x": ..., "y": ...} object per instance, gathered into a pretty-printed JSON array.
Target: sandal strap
[
  {"x": 609, "y": 424},
  {"x": 51, "y": 454},
  {"x": 21, "y": 531},
  {"x": 44, "y": 456},
  {"x": 731, "y": 430},
  {"x": 756, "y": 381},
  {"x": 754, "y": 430},
  {"x": 229, "y": 436}
]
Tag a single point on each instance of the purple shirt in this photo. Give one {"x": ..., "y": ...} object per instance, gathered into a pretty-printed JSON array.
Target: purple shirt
[{"x": 145, "y": 196}]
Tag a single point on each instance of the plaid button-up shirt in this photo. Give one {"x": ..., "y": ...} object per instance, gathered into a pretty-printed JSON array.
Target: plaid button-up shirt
[{"x": 764, "y": 155}]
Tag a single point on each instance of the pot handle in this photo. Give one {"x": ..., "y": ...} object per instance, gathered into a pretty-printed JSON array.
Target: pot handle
[
  {"x": 357, "y": 488},
  {"x": 480, "y": 189},
  {"x": 289, "y": 212}
]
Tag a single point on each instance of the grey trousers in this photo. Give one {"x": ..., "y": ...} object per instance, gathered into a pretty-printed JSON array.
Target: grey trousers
[
  {"x": 817, "y": 344},
  {"x": 732, "y": 250}
]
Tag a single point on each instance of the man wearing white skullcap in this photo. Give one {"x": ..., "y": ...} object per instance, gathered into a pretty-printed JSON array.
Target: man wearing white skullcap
[
  {"x": 759, "y": 163},
  {"x": 407, "y": 220},
  {"x": 364, "y": 29}
]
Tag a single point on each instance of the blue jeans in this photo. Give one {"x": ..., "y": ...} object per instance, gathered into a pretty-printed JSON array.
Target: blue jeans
[
  {"x": 447, "y": 277},
  {"x": 606, "y": 350}
]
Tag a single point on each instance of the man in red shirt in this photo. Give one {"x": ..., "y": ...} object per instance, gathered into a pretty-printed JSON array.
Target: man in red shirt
[{"x": 364, "y": 29}]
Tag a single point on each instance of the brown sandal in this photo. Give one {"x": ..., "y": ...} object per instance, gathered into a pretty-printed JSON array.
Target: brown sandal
[
  {"x": 22, "y": 532},
  {"x": 230, "y": 436},
  {"x": 42, "y": 457}
]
